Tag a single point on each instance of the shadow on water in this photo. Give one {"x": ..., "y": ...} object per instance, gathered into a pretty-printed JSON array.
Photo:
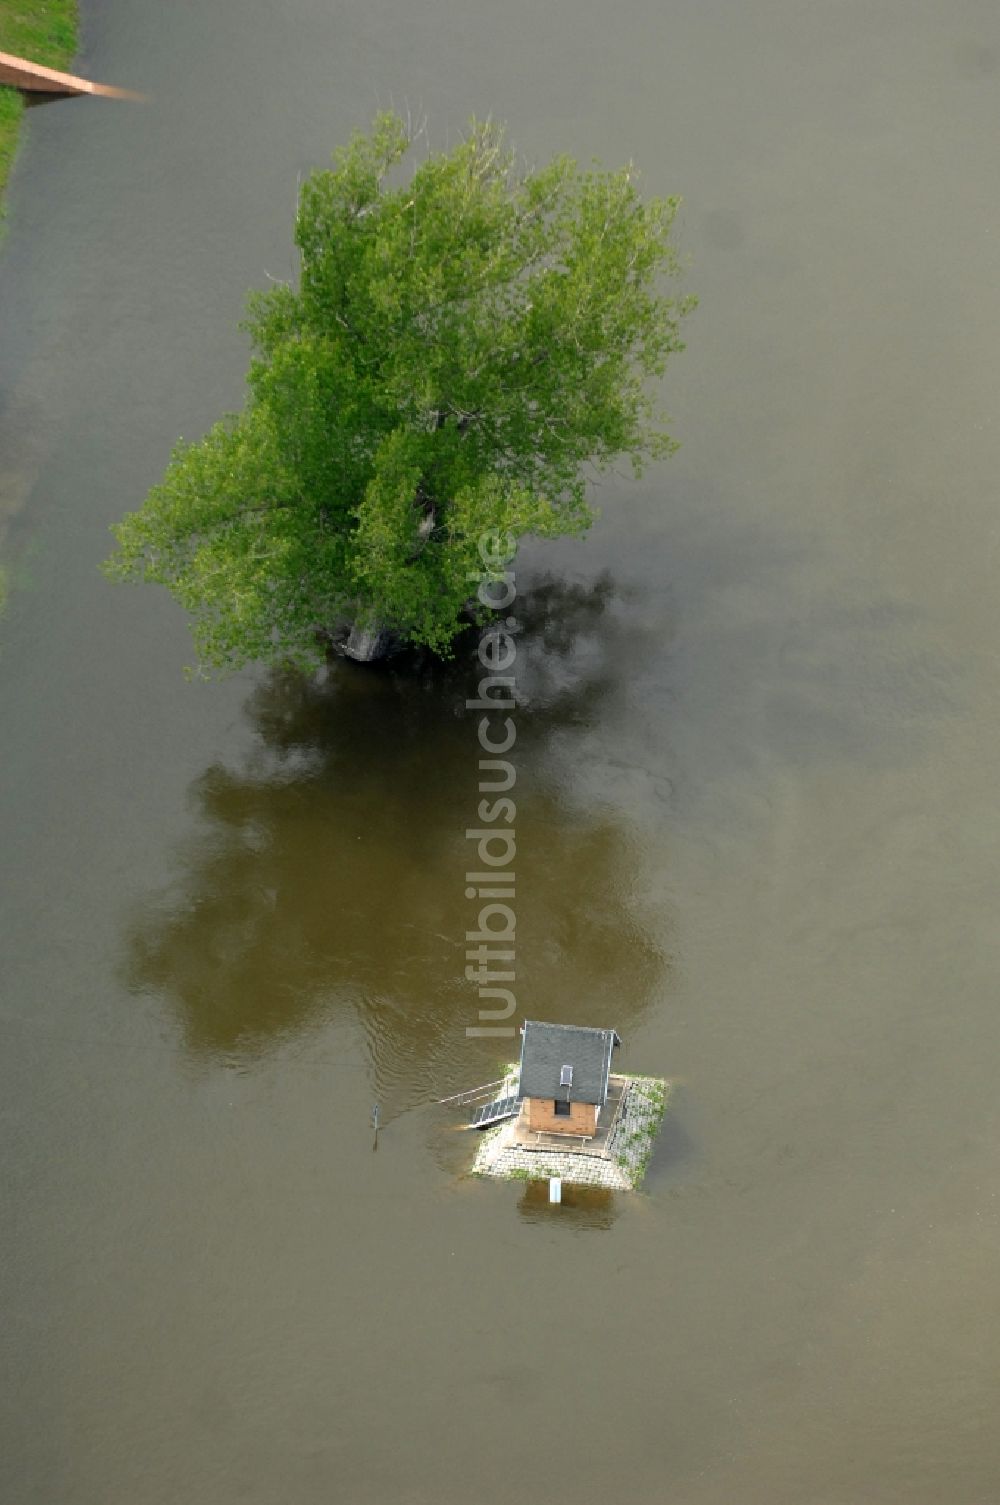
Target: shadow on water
[
  {"x": 35, "y": 98},
  {"x": 676, "y": 1151},
  {"x": 326, "y": 877},
  {"x": 582, "y": 1209}
]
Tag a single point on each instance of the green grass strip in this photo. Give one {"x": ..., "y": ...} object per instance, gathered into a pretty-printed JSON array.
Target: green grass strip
[{"x": 45, "y": 31}]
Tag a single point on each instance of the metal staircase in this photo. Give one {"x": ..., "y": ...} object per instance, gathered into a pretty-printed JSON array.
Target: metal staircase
[
  {"x": 494, "y": 1112},
  {"x": 489, "y": 1103}
]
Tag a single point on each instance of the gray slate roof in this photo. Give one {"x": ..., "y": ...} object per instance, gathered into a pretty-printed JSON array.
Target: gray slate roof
[{"x": 547, "y": 1048}]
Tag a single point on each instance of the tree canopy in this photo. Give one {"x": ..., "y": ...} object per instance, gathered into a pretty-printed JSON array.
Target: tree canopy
[{"x": 466, "y": 345}]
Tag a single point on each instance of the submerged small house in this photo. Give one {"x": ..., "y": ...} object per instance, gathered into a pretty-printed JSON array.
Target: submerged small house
[
  {"x": 564, "y": 1076},
  {"x": 563, "y": 1112}
]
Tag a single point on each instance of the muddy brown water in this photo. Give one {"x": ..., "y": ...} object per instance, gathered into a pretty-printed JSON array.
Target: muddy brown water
[{"x": 758, "y": 819}]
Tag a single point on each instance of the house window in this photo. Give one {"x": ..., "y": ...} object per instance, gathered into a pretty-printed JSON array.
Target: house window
[{"x": 562, "y": 1109}]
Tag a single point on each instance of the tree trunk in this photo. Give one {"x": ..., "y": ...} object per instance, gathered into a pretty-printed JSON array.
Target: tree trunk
[{"x": 367, "y": 644}]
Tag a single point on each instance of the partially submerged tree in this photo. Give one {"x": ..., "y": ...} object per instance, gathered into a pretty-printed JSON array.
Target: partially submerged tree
[{"x": 462, "y": 349}]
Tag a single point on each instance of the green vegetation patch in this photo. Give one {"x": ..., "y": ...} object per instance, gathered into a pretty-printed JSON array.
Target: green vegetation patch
[
  {"x": 645, "y": 1108},
  {"x": 44, "y": 31}
]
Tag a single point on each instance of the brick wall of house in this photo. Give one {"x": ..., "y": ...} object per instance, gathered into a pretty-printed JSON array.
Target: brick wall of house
[{"x": 542, "y": 1118}]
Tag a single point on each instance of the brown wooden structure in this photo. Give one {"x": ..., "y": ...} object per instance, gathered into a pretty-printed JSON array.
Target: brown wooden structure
[{"x": 35, "y": 78}]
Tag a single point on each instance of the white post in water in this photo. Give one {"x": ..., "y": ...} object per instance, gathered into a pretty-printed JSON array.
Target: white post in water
[{"x": 555, "y": 1188}]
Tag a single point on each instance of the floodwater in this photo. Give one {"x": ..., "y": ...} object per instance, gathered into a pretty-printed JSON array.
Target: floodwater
[{"x": 758, "y": 819}]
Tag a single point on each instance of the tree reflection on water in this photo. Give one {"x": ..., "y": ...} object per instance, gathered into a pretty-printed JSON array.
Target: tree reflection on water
[{"x": 326, "y": 874}]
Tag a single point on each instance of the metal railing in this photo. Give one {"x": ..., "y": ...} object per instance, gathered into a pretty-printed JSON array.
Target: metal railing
[
  {"x": 462, "y": 1099},
  {"x": 618, "y": 1110}
]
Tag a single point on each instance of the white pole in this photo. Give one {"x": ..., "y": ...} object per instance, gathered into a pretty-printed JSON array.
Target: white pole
[{"x": 555, "y": 1188}]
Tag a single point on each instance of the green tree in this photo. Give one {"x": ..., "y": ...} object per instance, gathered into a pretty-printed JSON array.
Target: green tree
[{"x": 464, "y": 347}]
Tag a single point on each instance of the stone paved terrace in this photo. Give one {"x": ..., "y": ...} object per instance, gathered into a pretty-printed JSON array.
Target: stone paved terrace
[{"x": 619, "y": 1164}]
